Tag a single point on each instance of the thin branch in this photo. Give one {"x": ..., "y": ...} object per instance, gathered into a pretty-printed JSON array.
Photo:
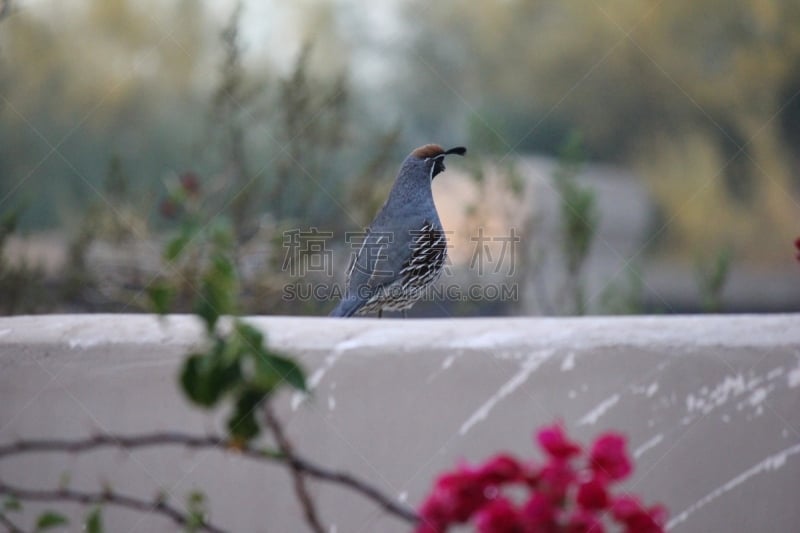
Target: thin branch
[
  {"x": 11, "y": 526},
  {"x": 157, "y": 506},
  {"x": 197, "y": 442},
  {"x": 112, "y": 441},
  {"x": 298, "y": 479},
  {"x": 357, "y": 485}
]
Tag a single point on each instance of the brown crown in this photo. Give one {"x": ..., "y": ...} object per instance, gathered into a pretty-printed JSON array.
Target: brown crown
[{"x": 429, "y": 150}]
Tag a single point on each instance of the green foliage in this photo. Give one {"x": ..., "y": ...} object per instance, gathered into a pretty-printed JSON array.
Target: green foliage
[
  {"x": 11, "y": 503},
  {"x": 235, "y": 365},
  {"x": 49, "y": 520},
  {"x": 176, "y": 245},
  {"x": 711, "y": 275},
  {"x": 196, "y": 505},
  {"x": 240, "y": 367},
  {"x": 206, "y": 377},
  {"x": 21, "y": 283},
  {"x": 217, "y": 290},
  {"x": 579, "y": 219},
  {"x": 8, "y": 224},
  {"x": 625, "y": 297},
  {"x": 94, "y": 521},
  {"x": 242, "y": 423},
  {"x": 643, "y": 82},
  {"x": 579, "y": 215},
  {"x": 160, "y": 295}
]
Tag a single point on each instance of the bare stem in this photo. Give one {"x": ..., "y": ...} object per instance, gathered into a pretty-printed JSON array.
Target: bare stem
[
  {"x": 298, "y": 479},
  {"x": 157, "y": 506},
  {"x": 194, "y": 441},
  {"x": 11, "y": 526}
]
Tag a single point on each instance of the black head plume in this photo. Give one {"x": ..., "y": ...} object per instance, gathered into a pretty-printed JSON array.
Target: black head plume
[{"x": 458, "y": 150}]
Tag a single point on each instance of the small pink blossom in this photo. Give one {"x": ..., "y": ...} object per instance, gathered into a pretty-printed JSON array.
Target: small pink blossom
[
  {"x": 608, "y": 457},
  {"x": 556, "y": 443},
  {"x": 569, "y": 493},
  {"x": 541, "y": 513},
  {"x": 629, "y": 511},
  {"x": 500, "y": 516},
  {"x": 583, "y": 521},
  {"x": 456, "y": 496},
  {"x": 555, "y": 479},
  {"x": 592, "y": 495},
  {"x": 501, "y": 468}
]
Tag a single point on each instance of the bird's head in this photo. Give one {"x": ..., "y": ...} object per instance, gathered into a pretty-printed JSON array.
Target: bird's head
[{"x": 432, "y": 157}]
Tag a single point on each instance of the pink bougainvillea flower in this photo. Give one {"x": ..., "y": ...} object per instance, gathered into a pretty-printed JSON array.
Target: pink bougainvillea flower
[
  {"x": 797, "y": 248},
  {"x": 500, "y": 516},
  {"x": 608, "y": 457},
  {"x": 592, "y": 495},
  {"x": 555, "y": 479},
  {"x": 563, "y": 495},
  {"x": 628, "y": 510},
  {"x": 555, "y": 442},
  {"x": 583, "y": 521},
  {"x": 458, "y": 494},
  {"x": 541, "y": 513},
  {"x": 427, "y": 527},
  {"x": 434, "y": 518},
  {"x": 501, "y": 468}
]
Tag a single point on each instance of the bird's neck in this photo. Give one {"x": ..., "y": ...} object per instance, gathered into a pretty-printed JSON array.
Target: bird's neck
[{"x": 411, "y": 192}]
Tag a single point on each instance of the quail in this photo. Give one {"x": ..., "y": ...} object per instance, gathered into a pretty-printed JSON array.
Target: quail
[{"x": 405, "y": 248}]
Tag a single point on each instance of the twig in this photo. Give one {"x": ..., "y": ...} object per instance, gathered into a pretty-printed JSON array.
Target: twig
[
  {"x": 157, "y": 506},
  {"x": 210, "y": 441},
  {"x": 108, "y": 441},
  {"x": 357, "y": 485},
  {"x": 299, "y": 481},
  {"x": 11, "y": 526}
]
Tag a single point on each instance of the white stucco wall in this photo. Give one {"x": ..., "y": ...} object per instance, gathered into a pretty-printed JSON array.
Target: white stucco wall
[{"x": 711, "y": 406}]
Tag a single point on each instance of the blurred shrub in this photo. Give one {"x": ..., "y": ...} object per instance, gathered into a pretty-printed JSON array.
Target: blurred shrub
[
  {"x": 711, "y": 273},
  {"x": 579, "y": 218},
  {"x": 21, "y": 283},
  {"x": 699, "y": 98}
]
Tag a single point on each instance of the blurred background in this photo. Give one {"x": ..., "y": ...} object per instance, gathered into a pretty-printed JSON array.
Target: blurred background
[{"x": 625, "y": 156}]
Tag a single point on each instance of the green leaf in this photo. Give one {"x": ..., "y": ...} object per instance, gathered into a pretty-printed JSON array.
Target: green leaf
[
  {"x": 222, "y": 267},
  {"x": 197, "y": 509},
  {"x": 12, "y": 504},
  {"x": 50, "y": 519},
  {"x": 205, "y": 378},
  {"x": 175, "y": 246},
  {"x": 8, "y": 224},
  {"x": 218, "y": 290},
  {"x": 160, "y": 295},
  {"x": 206, "y": 310},
  {"x": 251, "y": 336},
  {"x": 274, "y": 370},
  {"x": 196, "y": 499},
  {"x": 221, "y": 233},
  {"x": 242, "y": 423},
  {"x": 94, "y": 521}
]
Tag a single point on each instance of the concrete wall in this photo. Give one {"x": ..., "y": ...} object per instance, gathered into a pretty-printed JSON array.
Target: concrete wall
[{"x": 711, "y": 405}]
